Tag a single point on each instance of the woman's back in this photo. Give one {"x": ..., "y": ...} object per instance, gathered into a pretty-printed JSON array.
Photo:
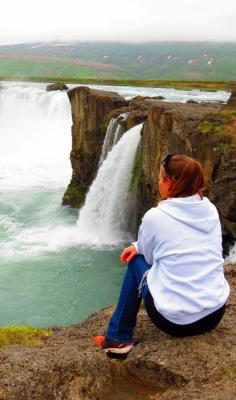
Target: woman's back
[{"x": 181, "y": 239}]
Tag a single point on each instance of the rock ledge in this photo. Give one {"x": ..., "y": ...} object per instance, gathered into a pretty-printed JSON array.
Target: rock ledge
[{"x": 68, "y": 366}]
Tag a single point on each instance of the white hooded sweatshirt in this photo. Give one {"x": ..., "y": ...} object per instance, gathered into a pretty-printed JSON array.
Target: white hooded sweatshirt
[{"x": 181, "y": 239}]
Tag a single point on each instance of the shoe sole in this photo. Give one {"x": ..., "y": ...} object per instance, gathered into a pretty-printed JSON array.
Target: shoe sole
[
  {"x": 114, "y": 350},
  {"x": 115, "y": 356}
]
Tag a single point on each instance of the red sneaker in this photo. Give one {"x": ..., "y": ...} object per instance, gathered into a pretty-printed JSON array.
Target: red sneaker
[{"x": 113, "y": 347}]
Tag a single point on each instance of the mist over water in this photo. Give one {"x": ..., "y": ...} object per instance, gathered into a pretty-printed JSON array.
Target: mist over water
[
  {"x": 52, "y": 270},
  {"x": 35, "y": 145},
  {"x": 34, "y": 149}
]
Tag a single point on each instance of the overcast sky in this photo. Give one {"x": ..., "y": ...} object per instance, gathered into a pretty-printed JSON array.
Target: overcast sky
[{"x": 120, "y": 20}]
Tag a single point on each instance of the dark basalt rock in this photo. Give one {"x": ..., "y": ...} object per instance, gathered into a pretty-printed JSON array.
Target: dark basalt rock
[
  {"x": 190, "y": 101},
  {"x": 159, "y": 97},
  {"x": 56, "y": 86}
]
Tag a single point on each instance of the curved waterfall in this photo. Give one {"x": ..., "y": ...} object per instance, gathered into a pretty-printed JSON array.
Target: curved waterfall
[
  {"x": 35, "y": 142},
  {"x": 104, "y": 218},
  {"x": 35, "y": 138}
]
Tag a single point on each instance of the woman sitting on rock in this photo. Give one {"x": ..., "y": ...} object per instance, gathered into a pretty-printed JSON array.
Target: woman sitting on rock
[{"x": 176, "y": 265}]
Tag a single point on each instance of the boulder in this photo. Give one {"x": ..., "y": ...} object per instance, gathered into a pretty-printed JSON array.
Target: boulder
[
  {"x": 56, "y": 86},
  {"x": 159, "y": 97},
  {"x": 190, "y": 101}
]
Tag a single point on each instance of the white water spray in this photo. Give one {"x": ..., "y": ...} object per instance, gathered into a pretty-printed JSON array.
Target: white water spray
[
  {"x": 35, "y": 142},
  {"x": 34, "y": 137},
  {"x": 104, "y": 218}
]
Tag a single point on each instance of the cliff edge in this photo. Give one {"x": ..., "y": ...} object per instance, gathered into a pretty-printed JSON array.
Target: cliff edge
[
  {"x": 68, "y": 366},
  {"x": 89, "y": 108},
  {"x": 205, "y": 131}
]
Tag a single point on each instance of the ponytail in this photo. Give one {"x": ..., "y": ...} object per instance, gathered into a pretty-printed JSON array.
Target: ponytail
[{"x": 187, "y": 175}]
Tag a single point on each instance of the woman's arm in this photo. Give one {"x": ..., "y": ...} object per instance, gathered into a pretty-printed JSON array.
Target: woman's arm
[{"x": 144, "y": 244}]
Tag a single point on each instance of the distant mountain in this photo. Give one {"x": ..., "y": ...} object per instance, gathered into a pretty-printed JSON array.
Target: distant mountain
[{"x": 164, "y": 60}]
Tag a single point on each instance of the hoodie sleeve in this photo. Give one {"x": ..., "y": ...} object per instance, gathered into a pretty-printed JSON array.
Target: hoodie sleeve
[{"x": 145, "y": 243}]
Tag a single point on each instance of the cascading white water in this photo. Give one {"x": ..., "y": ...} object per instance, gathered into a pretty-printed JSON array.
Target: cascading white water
[
  {"x": 35, "y": 142},
  {"x": 104, "y": 219},
  {"x": 34, "y": 148},
  {"x": 113, "y": 135},
  {"x": 118, "y": 133},
  {"x": 108, "y": 141}
]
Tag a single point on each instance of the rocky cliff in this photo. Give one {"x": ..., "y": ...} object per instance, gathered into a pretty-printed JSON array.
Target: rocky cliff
[
  {"x": 205, "y": 131},
  {"x": 68, "y": 366},
  {"x": 90, "y": 109}
]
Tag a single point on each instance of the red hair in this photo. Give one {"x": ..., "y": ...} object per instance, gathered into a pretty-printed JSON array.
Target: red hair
[{"x": 187, "y": 175}]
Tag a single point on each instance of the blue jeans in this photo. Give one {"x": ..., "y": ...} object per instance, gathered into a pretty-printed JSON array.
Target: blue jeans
[{"x": 134, "y": 288}]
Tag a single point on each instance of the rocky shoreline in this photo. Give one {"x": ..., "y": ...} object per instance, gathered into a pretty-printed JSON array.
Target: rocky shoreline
[{"x": 68, "y": 366}]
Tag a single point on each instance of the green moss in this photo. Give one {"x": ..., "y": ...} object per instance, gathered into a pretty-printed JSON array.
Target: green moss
[
  {"x": 27, "y": 335},
  {"x": 75, "y": 153},
  {"x": 136, "y": 178},
  {"x": 74, "y": 196},
  {"x": 207, "y": 127},
  {"x": 102, "y": 129},
  {"x": 219, "y": 125},
  {"x": 104, "y": 124},
  {"x": 223, "y": 147},
  {"x": 227, "y": 114}
]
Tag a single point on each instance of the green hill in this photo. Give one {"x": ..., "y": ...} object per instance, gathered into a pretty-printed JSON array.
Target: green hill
[{"x": 107, "y": 60}]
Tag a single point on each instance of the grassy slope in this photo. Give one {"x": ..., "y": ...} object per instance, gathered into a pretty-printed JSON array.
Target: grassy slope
[
  {"x": 138, "y": 61},
  {"x": 44, "y": 68}
]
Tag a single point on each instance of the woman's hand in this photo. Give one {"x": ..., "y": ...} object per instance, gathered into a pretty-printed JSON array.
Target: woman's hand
[{"x": 128, "y": 254}]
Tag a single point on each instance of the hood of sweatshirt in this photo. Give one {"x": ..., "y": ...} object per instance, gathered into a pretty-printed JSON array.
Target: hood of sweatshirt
[{"x": 198, "y": 213}]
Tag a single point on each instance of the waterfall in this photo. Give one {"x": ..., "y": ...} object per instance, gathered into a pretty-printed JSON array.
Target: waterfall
[
  {"x": 35, "y": 142},
  {"x": 104, "y": 218},
  {"x": 34, "y": 137},
  {"x": 114, "y": 132},
  {"x": 118, "y": 133}
]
